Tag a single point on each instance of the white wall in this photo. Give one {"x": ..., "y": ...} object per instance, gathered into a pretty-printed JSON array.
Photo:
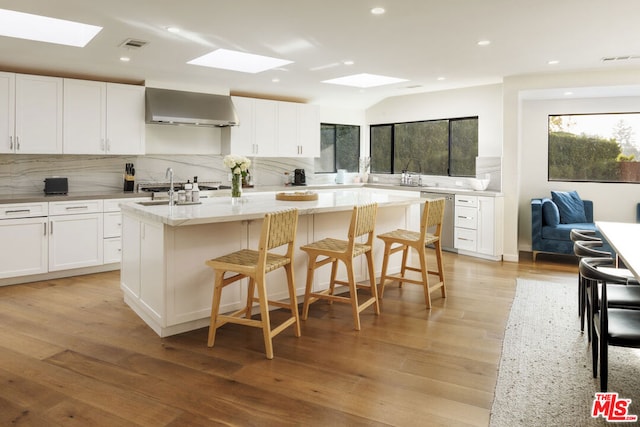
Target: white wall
[
  {"x": 521, "y": 171},
  {"x": 612, "y": 202},
  {"x": 482, "y": 101}
]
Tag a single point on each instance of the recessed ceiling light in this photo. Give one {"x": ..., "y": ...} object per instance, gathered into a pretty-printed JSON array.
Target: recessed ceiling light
[
  {"x": 238, "y": 61},
  {"x": 441, "y": 78},
  {"x": 44, "y": 29},
  {"x": 348, "y": 62},
  {"x": 125, "y": 59},
  {"x": 275, "y": 80},
  {"x": 568, "y": 93},
  {"x": 553, "y": 62},
  {"x": 378, "y": 10},
  {"x": 173, "y": 29},
  {"x": 484, "y": 42},
  {"x": 364, "y": 80}
]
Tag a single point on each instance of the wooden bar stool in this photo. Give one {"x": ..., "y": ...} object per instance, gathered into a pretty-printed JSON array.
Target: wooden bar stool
[
  {"x": 362, "y": 223},
  {"x": 432, "y": 215},
  {"x": 278, "y": 229}
]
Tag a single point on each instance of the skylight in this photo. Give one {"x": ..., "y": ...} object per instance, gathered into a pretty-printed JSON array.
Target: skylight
[
  {"x": 238, "y": 61},
  {"x": 364, "y": 80},
  {"x": 44, "y": 29}
]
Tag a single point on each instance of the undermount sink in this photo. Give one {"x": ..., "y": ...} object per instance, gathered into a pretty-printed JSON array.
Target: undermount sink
[{"x": 153, "y": 202}]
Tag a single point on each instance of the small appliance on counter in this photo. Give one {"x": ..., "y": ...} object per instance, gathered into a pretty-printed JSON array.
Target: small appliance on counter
[
  {"x": 129, "y": 180},
  {"x": 299, "y": 177},
  {"x": 56, "y": 185}
]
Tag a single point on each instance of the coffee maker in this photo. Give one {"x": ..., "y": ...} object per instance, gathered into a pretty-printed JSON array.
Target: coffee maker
[{"x": 299, "y": 177}]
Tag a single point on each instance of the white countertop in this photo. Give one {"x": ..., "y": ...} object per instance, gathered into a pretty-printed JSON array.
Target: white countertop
[{"x": 255, "y": 205}]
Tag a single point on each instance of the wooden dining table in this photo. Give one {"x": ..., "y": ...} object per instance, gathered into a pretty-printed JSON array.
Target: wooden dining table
[{"x": 624, "y": 238}]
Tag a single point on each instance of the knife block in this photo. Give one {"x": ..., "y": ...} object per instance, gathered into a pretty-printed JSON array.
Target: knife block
[{"x": 129, "y": 183}]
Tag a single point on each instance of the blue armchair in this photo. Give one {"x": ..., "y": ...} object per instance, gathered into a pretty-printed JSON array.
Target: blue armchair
[{"x": 555, "y": 237}]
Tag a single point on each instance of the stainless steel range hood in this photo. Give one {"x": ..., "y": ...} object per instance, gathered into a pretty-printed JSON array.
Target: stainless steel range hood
[{"x": 173, "y": 107}]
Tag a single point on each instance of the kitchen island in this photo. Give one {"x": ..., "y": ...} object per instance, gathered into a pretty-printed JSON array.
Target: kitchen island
[{"x": 164, "y": 248}]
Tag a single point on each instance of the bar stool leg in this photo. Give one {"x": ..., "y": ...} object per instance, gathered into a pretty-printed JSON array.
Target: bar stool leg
[
  {"x": 372, "y": 282},
  {"x": 403, "y": 269},
  {"x": 425, "y": 275},
  {"x": 438, "y": 247},
  {"x": 385, "y": 264},
  {"x": 215, "y": 307},
  {"x": 292, "y": 298},
  {"x": 307, "y": 291},
  {"x": 250, "y": 297},
  {"x": 353, "y": 294},
  {"x": 264, "y": 316},
  {"x": 332, "y": 283}
]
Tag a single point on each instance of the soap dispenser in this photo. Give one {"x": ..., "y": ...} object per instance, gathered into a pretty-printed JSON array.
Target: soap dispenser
[
  {"x": 188, "y": 189},
  {"x": 195, "y": 191}
]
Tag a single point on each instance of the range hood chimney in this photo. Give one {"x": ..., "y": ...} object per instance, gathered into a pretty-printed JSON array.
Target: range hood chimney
[{"x": 173, "y": 107}]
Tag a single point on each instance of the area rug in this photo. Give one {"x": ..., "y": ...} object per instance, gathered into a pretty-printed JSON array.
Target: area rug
[{"x": 545, "y": 376}]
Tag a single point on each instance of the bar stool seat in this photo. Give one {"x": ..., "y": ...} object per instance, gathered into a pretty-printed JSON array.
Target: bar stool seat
[
  {"x": 333, "y": 250},
  {"x": 432, "y": 215},
  {"x": 278, "y": 229}
]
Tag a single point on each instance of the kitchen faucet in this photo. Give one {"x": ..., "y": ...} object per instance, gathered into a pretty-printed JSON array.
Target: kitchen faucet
[{"x": 169, "y": 174}]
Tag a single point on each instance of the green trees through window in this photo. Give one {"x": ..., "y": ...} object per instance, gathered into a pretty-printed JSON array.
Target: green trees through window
[
  {"x": 434, "y": 147},
  {"x": 594, "y": 147},
  {"x": 339, "y": 148}
]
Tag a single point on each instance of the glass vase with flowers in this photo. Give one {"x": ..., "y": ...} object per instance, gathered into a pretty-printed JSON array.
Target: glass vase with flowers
[{"x": 239, "y": 166}]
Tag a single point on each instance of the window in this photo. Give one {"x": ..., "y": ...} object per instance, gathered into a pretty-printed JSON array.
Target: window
[
  {"x": 433, "y": 147},
  {"x": 594, "y": 147},
  {"x": 339, "y": 148}
]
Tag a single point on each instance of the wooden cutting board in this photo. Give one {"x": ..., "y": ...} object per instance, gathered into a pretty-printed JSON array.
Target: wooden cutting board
[{"x": 300, "y": 196}]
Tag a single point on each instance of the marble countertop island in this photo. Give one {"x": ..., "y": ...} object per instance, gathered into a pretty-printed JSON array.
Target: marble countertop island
[{"x": 255, "y": 205}]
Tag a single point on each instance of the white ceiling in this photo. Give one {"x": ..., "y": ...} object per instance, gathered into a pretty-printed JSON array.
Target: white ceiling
[{"x": 418, "y": 40}]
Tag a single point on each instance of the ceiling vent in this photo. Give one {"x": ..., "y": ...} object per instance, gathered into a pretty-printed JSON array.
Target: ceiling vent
[
  {"x": 619, "y": 58},
  {"x": 133, "y": 44}
]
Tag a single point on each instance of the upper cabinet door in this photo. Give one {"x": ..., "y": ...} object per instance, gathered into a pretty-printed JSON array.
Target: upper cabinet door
[
  {"x": 309, "y": 130},
  {"x": 103, "y": 118},
  {"x": 38, "y": 122},
  {"x": 7, "y": 112},
  {"x": 85, "y": 104},
  {"x": 265, "y": 118},
  {"x": 125, "y": 119}
]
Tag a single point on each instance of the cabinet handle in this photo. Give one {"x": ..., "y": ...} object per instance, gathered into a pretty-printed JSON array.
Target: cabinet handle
[
  {"x": 51, "y": 227},
  {"x": 11, "y": 143},
  {"x": 18, "y": 211},
  {"x": 45, "y": 228},
  {"x": 70, "y": 208},
  {"x": 108, "y": 145},
  {"x": 17, "y": 143}
]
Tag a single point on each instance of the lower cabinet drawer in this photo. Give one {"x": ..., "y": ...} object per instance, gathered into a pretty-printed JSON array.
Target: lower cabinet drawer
[
  {"x": 466, "y": 217},
  {"x": 112, "y": 250},
  {"x": 465, "y": 239},
  {"x": 112, "y": 224}
]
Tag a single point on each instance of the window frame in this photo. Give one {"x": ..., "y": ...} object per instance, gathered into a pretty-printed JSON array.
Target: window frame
[
  {"x": 449, "y": 142},
  {"x": 358, "y": 128}
]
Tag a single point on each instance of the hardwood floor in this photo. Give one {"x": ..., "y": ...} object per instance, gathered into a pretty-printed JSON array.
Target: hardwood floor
[{"x": 72, "y": 353}]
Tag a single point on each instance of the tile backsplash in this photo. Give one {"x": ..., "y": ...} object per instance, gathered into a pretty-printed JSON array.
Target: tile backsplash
[{"x": 25, "y": 174}]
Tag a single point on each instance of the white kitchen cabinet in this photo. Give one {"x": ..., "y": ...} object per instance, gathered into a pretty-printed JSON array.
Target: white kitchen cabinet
[
  {"x": 255, "y": 136},
  {"x": 23, "y": 233},
  {"x": 309, "y": 130},
  {"x": 31, "y": 114},
  {"x": 298, "y": 130},
  {"x": 273, "y": 128},
  {"x": 103, "y": 118},
  {"x": 7, "y": 111},
  {"x": 75, "y": 234},
  {"x": 478, "y": 226}
]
